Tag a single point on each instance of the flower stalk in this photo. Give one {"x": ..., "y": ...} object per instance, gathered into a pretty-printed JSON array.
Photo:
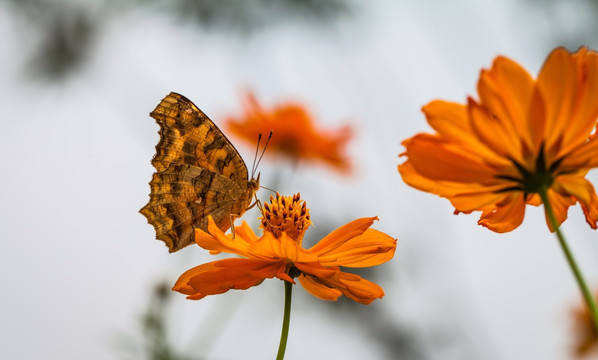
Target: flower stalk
[
  {"x": 587, "y": 294},
  {"x": 286, "y": 319}
]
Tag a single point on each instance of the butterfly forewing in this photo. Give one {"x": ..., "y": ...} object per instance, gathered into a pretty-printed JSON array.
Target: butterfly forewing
[{"x": 199, "y": 173}]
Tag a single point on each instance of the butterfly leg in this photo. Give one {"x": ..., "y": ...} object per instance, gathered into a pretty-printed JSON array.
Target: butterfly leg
[
  {"x": 232, "y": 225},
  {"x": 256, "y": 202},
  {"x": 232, "y": 218}
]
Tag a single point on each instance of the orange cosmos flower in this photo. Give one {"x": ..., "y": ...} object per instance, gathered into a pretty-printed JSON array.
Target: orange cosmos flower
[
  {"x": 521, "y": 137},
  {"x": 278, "y": 253},
  {"x": 586, "y": 338},
  {"x": 294, "y": 134}
]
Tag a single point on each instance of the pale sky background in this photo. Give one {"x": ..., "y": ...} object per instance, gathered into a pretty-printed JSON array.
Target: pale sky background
[{"x": 78, "y": 262}]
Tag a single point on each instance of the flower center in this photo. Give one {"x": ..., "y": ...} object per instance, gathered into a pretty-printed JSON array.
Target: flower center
[
  {"x": 535, "y": 181},
  {"x": 288, "y": 214}
]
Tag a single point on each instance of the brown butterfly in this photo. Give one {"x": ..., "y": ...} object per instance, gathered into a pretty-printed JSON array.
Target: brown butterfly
[{"x": 199, "y": 173}]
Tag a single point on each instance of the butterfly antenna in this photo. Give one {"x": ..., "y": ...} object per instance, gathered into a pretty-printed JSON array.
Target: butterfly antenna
[
  {"x": 257, "y": 148},
  {"x": 264, "y": 151},
  {"x": 257, "y": 163}
]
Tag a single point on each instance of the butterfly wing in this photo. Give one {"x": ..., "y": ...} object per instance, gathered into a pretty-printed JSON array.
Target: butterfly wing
[
  {"x": 199, "y": 173},
  {"x": 188, "y": 136},
  {"x": 182, "y": 197}
]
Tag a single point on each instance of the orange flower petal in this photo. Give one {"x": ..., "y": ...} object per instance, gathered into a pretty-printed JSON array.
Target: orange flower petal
[
  {"x": 506, "y": 90},
  {"x": 289, "y": 248},
  {"x": 207, "y": 242},
  {"x": 464, "y": 196},
  {"x": 284, "y": 276},
  {"x": 569, "y": 84},
  {"x": 583, "y": 156},
  {"x": 339, "y": 236},
  {"x": 218, "y": 277},
  {"x": 246, "y": 233},
  {"x": 560, "y": 204},
  {"x": 352, "y": 286},
  {"x": 194, "y": 296},
  {"x": 434, "y": 158},
  {"x": 533, "y": 199},
  {"x": 506, "y": 216},
  {"x": 356, "y": 288},
  {"x": 576, "y": 186},
  {"x": 410, "y": 176},
  {"x": 217, "y": 241},
  {"x": 451, "y": 121},
  {"x": 556, "y": 82},
  {"x": 478, "y": 197},
  {"x": 371, "y": 248},
  {"x": 268, "y": 248},
  {"x": 495, "y": 133},
  {"x": 317, "y": 270},
  {"x": 590, "y": 211},
  {"x": 586, "y": 107},
  {"x": 245, "y": 242},
  {"x": 317, "y": 289}
]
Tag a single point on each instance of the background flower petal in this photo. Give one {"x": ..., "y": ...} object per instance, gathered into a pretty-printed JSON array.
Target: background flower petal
[{"x": 295, "y": 133}]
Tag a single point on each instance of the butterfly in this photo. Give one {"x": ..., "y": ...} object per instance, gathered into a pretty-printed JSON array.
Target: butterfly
[{"x": 198, "y": 173}]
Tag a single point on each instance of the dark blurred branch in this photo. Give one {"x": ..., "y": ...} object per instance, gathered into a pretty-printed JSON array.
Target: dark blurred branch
[
  {"x": 249, "y": 15},
  {"x": 66, "y": 33}
]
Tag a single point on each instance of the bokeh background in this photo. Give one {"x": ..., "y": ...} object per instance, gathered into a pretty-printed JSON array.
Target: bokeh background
[{"x": 79, "y": 264}]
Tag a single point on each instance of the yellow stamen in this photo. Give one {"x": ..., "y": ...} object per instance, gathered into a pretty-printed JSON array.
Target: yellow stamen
[{"x": 288, "y": 214}]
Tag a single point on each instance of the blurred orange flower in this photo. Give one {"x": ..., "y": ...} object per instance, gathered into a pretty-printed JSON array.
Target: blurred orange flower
[
  {"x": 294, "y": 134},
  {"x": 521, "y": 137},
  {"x": 586, "y": 339},
  {"x": 278, "y": 253}
]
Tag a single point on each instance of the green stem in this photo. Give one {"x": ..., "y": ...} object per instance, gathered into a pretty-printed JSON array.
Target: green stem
[
  {"x": 585, "y": 290},
  {"x": 288, "y": 292}
]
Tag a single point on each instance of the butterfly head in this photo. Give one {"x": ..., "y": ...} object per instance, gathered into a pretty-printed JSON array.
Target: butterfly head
[{"x": 254, "y": 183}]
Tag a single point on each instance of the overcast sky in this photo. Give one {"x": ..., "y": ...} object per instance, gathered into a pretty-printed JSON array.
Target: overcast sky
[{"x": 79, "y": 262}]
